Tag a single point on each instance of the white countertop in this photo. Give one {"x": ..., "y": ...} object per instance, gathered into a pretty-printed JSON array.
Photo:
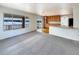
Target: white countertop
[{"x": 65, "y": 27}]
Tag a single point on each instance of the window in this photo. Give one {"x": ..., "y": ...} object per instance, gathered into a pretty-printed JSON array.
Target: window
[
  {"x": 12, "y": 22},
  {"x": 7, "y": 22},
  {"x": 27, "y": 22},
  {"x": 17, "y": 22},
  {"x": 39, "y": 24}
]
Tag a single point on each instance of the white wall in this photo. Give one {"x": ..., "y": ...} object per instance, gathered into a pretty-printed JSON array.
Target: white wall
[
  {"x": 11, "y": 33},
  {"x": 64, "y": 19},
  {"x": 76, "y": 15}
]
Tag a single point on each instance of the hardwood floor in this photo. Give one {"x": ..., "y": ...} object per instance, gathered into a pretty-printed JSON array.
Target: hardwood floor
[{"x": 36, "y": 43}]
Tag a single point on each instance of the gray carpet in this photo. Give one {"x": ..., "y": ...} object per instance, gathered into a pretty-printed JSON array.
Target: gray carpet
[{"x": 36, "y": 43}]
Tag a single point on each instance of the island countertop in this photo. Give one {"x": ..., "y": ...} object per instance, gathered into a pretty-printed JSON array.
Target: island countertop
[{"x": 62, "y": 26}]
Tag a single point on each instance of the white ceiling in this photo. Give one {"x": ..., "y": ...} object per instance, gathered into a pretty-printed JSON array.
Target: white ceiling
[{"x": 44, "y": 9}]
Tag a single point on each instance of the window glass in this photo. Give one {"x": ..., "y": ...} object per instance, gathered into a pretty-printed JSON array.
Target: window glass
[
  {"x": 27, "y": 22},
  {"x": 12, "y": 22}
]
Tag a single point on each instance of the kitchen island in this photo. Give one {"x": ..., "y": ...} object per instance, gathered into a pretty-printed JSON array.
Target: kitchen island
[{"x": 66, "y": 32}]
